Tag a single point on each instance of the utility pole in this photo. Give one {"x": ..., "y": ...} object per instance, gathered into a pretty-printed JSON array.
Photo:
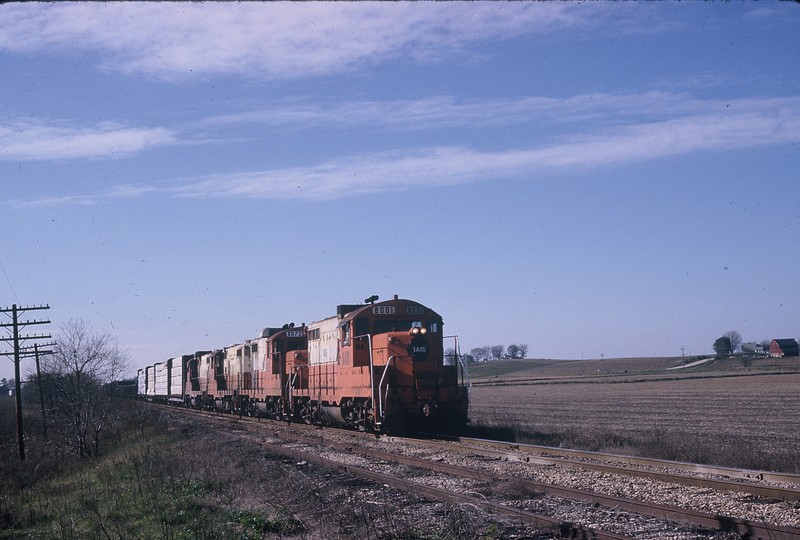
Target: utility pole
[
  {"x": 21, "y": 352},
  {"x": 36, "y": 353}
]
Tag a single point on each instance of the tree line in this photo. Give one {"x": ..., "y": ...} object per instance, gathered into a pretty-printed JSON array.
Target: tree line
[{"x": 490, "y": 353}]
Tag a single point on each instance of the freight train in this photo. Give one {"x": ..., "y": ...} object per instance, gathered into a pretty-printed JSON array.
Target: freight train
[{"x": 377, "y": 366}]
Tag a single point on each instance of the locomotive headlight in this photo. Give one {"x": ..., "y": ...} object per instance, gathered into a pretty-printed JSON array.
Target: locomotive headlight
[
  {"x": 415, "y": 330},
  {"x": 423, "y": 330}
]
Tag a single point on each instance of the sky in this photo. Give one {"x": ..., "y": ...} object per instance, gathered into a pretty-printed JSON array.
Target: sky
[{"x": 589, "y": 179}]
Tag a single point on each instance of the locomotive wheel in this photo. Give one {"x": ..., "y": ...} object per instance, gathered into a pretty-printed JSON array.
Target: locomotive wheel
[
  {"x": 369, "y": 417},
  {"x": 360, "y": 417}
]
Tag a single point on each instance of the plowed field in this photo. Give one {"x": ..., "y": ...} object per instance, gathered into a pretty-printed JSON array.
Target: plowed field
[{"x": 745, "y": 418}]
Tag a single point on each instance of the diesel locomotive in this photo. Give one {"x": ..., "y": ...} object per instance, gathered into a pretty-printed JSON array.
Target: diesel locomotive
[{"x": 377, "y": 366}]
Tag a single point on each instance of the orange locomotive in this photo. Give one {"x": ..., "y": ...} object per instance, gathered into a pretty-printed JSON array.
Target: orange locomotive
[
  {"x": 378, "y": 366},
  {"x": 257, "y": 377},
  {"x": 381, "y": 366}
]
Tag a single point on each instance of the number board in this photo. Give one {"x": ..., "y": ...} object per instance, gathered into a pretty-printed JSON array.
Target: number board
[
  {"x": 294, "y": 333},
  {"x": 415, "y": 310},
  {"x": 383, "y": 310}
]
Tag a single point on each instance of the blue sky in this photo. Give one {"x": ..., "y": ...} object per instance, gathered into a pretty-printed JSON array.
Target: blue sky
[{"x": 588, "y": 179}]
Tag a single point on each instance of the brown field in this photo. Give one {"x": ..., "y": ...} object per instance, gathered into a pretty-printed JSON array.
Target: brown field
[{"x": 721, "y": 412}]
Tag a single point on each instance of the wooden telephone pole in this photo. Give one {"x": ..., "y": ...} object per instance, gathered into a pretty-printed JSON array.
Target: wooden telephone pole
[{"x": 22, "y": 351}]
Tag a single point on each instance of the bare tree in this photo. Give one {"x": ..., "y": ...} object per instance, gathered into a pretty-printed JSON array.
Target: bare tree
[
  {"x": 480, "y": 354},
  {"x": 736, "y": 340},
  {"x": 497, "y": 351},
  {"x": 523, "y": 350},
  {"x": 79, "y": 370}
]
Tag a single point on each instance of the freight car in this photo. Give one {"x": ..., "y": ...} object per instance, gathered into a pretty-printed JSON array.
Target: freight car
[
  {"x": 163, "y": 381},
  {"x": 377, "y": 366}
]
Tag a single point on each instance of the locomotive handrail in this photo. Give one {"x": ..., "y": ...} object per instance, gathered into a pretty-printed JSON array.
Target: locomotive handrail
[
  {"x": 380, "y": 396},
  {"x": 371, "y": 369},
  {"x": 290, "y": 381},
  {"x": 290, "y": 386},
  {"x": 464, "y": 370}
]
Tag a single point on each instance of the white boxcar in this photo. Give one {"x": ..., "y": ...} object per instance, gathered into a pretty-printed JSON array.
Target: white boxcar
[
  {"x": 161, "y": 379},
  {"x": 150, "y": 377},
  {"x": 323, "y": 341},
  {"x": 141, "y": 380},
  {"x": 177, "y": 373}
]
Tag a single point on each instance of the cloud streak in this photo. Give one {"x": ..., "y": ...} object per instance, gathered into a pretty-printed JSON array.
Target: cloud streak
[
  {"x": 596, "y": 116},
  {"x": 453, "y": 165},
  {"x": 445, "y": 112},
  {"x": 273, "y": 40},
  {"x": 36, "y": 141},
  {"x": 457, "y": 165}
]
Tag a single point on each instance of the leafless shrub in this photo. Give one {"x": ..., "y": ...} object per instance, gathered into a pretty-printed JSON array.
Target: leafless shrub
[{"x": 77, "y": 377}]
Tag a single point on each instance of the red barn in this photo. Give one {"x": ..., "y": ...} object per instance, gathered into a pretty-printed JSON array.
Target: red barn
[{"x": 783, "y": 347}]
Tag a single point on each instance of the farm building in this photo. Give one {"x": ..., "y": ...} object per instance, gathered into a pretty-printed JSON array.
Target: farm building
[
  {"x": 783, "y": 347},
  {"x": 753, "y": 348}
]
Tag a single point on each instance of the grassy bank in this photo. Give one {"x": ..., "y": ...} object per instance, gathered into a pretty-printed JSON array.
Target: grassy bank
[{"x": 153, "y": 480}]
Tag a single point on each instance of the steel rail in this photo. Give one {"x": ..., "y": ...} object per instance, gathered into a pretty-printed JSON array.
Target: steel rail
[
  {"x": 516, "y": 452},
  {"x": 563, "y": 528},
  {"x": 744, "y": 528},
  {"x": 508, "y": 454},
  {"x": 512, "y": 452},
  {"x": 743, "y": 474}
]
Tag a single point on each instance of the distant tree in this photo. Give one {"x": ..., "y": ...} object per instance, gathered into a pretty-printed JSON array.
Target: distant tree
[
  {"x": 722, "y": 346},
  {"x": 523, "y": 350},
  {"x": 78, "y": 373},
  {"x": 513, "y": 351},
  {"x": 497, "y": 351},
  {"x": 480, "y": 354},
  {"x": 735, "y": 338}
]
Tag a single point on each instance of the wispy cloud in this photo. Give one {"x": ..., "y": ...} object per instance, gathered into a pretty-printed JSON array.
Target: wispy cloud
[
  {"x": 444, "y": 112},
  {"x": 601, "y": 116},
  {"x": 762, "y": 123},
  {"x": 273, "y": 40},
  {"x": 33, "y": 140},
  {"x": 457, "y": 165}
]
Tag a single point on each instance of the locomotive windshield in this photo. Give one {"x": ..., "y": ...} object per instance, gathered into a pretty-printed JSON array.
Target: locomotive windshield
[{"x": 382, "y": 326}]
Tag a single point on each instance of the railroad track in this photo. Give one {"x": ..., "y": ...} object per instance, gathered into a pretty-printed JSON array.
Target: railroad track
[
  {"x": 744, "y": 528},
  {"x": 315, "y": 446},
  {"x": 741, "y": 480}
]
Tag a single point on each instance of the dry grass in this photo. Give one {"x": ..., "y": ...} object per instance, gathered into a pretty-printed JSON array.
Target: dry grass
[{"x": 721, "y": 413}]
